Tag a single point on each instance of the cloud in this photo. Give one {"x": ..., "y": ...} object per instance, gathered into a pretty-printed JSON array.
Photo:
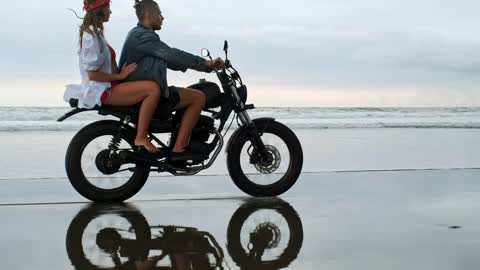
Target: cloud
[{"x": 342, "y": 43}]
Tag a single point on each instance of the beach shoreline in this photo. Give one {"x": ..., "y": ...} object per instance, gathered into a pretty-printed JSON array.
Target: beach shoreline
[{"x": 40, "y": 154}]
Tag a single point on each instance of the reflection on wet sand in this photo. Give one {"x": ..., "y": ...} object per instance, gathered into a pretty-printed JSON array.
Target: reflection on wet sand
[{"x": 261, "y": 234}]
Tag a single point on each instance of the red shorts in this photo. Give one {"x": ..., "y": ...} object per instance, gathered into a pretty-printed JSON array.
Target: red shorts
[{"x": 106, "y": 95}]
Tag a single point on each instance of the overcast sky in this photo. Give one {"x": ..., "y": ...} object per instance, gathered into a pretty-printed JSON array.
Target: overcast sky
[{"x": 290, "y": 53}]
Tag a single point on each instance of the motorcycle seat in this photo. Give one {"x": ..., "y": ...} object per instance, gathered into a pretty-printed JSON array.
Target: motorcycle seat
[{"x": 161, "y": 113}]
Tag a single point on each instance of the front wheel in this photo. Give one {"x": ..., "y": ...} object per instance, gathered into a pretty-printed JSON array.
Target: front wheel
[
  {"x": 270, "y": 174},
  {"x": 264, "y": 234}
]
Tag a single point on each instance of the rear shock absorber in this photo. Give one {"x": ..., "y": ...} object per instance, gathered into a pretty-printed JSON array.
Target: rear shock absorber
[{"x": 117, "y": 138}]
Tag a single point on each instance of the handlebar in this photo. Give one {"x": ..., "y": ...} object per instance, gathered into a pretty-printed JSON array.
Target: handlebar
[{"x": 222, "y": 72}]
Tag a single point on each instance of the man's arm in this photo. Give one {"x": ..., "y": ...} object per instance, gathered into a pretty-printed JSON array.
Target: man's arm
[
  {"x": 176, "y": 59},
  {"x": 175, "y": 67}
]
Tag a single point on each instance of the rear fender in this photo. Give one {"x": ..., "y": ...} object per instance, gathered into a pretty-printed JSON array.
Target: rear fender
[
  {"x": 72, "y": 113},
  {"x": 247, "y": 128}
]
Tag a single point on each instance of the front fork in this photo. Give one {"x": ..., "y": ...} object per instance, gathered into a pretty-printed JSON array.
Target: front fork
[
  {"x": 255, "y": 135},
  {"x": 260, "y": 154}
]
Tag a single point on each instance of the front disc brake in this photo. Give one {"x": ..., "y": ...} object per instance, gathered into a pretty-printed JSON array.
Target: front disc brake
[{"x": 271, "y": 165}]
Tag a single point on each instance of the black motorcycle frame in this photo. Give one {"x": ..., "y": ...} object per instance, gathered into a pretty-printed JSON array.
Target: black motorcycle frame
[{"x": 231, "y": 100}]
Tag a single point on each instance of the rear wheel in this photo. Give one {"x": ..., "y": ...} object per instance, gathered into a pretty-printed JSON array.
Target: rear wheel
[
  {"x": 97, "y": 175},
  {"x": 270, "y": 174},
  {"x": 107, "y": 236}
]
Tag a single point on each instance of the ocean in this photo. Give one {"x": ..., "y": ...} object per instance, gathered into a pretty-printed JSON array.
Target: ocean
[{"x": 44, "y": 118}]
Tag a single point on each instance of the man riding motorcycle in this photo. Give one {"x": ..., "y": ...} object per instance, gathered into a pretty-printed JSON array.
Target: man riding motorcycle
[{"x": 144, "y": 47}]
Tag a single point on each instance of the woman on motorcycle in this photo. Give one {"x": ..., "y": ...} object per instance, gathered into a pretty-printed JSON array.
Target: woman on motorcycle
[{"x": 101, "y": 79}]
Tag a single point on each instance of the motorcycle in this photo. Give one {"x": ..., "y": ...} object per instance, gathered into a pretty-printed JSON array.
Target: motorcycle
[
  {"x": 261, "y": 234},
  {"x": 264, "y": 157}
]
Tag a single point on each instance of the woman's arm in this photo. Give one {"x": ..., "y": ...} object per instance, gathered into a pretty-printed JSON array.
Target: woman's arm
[
  {"x": 115, "y": 67},
  {"x": 99, "y": 76},
  {"x": 93, "y": 58}
]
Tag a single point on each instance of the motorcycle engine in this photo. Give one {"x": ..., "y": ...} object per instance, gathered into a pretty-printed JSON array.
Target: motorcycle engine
[{"x": 200, "y": 135}]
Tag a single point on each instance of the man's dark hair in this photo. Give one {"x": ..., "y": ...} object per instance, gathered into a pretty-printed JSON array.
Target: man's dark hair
[{"x": 142, "y": 6}]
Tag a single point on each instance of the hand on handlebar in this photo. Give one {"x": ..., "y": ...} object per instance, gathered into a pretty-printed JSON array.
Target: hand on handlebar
[{"x": 216, "y": 63}]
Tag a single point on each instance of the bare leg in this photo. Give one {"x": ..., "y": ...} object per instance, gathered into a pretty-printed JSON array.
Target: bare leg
[
  {"x": 131, "y": 93},
  {"x": 193, "y": 102}
]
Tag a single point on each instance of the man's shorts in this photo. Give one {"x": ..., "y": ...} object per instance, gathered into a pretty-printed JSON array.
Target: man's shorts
[{"x": 167, "y": 105}]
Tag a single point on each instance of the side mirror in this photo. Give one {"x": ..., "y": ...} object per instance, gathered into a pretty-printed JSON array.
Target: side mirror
[
  {"x": 225, "y": 46},
  {"x": 205, "y": 53}
]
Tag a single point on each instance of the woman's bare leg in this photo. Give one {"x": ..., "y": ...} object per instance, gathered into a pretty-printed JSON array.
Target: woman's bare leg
[
  {"x": 193, "y": 102},
  {"x": 131, "y": 93}
]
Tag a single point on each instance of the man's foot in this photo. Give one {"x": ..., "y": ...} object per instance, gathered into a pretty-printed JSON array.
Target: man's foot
[{"x": 147, "y": 145}]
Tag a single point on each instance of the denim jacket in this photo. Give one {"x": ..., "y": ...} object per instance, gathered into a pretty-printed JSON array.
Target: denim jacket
[{"x": 144, "y": 47}]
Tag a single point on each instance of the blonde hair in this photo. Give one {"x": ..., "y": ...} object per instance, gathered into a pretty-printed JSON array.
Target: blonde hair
[{"x": 94, "y": 18}]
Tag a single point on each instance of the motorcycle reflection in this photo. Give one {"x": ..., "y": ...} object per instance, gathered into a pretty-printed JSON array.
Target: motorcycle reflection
[{"x": 262, "y": 234}]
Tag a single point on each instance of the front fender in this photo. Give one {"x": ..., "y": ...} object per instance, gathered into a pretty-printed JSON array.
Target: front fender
[{"x": 246, "y": 128}]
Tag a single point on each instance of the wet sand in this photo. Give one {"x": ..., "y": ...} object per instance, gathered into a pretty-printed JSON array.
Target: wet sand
[
  {"x": 41, "y": 154},
  {"x": 363, "y": 220},
  {"x": 386, "y": 210}
]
